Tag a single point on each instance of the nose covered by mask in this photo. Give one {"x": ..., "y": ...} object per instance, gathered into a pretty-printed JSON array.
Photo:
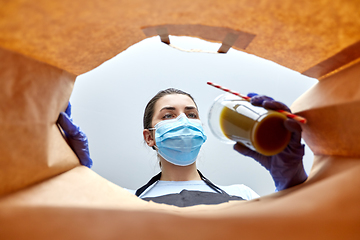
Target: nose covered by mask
[{"x": 179, "y": 140}]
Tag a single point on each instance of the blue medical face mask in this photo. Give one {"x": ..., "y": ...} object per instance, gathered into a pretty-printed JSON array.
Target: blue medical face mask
[{"x": 179, "y": 140}]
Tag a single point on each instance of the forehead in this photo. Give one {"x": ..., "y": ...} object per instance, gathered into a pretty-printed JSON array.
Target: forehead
[{"x": 174, "y": 100}]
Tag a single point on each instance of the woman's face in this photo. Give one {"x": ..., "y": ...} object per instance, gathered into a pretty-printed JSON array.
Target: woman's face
[{"x": 172, "y": 105}]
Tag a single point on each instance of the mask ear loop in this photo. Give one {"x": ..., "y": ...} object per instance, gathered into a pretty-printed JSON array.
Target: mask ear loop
[{"x": 153, "y": 147}]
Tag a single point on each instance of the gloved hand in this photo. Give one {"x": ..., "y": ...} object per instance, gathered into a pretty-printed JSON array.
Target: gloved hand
[
  {"x": 286, "y": 168},
  {"x": 76, "y": 138}
]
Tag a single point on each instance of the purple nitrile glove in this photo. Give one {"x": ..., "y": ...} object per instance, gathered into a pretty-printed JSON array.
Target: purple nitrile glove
[
  {"x": 286, "y": 168},
  {"x": 75, "y": 137}
]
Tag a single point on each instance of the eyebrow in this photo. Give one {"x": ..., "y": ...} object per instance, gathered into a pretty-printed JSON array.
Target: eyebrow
[
  {"x": 173, "y": 108},
  {"x": 191, "y": 108}
]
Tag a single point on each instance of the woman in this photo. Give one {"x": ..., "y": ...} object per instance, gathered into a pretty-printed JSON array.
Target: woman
[{"x": 173, "y": 128}]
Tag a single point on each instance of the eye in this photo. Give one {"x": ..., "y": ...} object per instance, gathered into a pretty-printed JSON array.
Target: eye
[
  {"x": 192, "y": 115},
  {"x": 168, "y": 116}
]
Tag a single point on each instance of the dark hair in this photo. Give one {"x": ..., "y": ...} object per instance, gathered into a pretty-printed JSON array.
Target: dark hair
[{"x": 149, "y": 109}]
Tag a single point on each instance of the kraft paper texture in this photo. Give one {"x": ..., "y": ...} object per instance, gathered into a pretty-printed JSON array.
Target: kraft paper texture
[
  {"x": 46, "y": 194},
  {"x": 77, "y": 36}
]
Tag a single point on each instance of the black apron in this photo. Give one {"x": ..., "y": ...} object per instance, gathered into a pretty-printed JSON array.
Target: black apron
[{"x": 189, "y": 198}]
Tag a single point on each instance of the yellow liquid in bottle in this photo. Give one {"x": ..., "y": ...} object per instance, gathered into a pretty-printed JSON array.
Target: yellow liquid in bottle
[{"x": 267, "y": 135}]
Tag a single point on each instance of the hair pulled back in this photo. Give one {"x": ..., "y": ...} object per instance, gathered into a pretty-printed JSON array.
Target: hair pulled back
[{"x": 149, "y": 109}]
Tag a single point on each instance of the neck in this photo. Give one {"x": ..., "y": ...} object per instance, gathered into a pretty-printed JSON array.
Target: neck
[{"x": 171, "y": 172}]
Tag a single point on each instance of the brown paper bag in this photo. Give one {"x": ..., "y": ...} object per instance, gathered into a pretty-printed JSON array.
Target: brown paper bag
[{"x": 45, "y": 194}]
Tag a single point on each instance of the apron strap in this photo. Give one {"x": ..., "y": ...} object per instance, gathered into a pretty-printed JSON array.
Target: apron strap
[
  {"x": 158, "y": 176},
  {"x": 151, "y": 182},
  {"x": 211, "y": 185}
]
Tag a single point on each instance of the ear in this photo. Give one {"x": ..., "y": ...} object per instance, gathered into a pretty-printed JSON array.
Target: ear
[{"x": 148, "y": 137}]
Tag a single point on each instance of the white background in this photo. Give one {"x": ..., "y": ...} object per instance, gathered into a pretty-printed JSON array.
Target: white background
[{"x": 108, "y": 104}]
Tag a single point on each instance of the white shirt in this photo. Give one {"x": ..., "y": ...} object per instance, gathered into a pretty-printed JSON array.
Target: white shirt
[{"x": 161, "y": 188}]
